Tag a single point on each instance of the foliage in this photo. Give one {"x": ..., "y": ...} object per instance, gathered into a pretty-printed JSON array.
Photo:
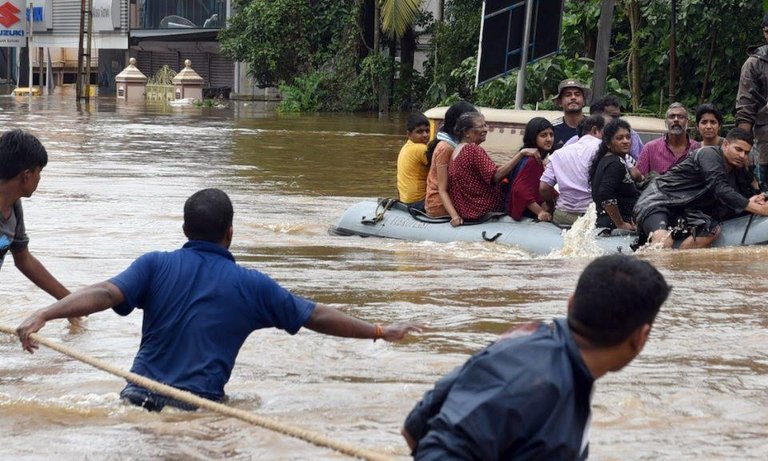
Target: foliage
[
  {"x": 397, "y": 16},
  {"x": 303, "y": 95},
  {"x": 454, "y": 40},
  {"x": 311, "y": 48},
  {"x": 281, "y": 39}
]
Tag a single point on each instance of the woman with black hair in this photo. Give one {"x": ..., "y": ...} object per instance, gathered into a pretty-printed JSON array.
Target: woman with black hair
[
  {"x": 524, "y": 197},
  {"x": 613, "y": 190},
  {"x": 709, "y": 120},
  {"x": 438, "y": 202}
]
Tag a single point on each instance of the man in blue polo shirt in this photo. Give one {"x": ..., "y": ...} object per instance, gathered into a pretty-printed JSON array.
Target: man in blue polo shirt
[
  {"x": 199, "y": 307},
  {"x": 527, "y": 396}
]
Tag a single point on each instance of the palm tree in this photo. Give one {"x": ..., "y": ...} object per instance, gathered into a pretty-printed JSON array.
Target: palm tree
[{"x": 398, "y": 18}]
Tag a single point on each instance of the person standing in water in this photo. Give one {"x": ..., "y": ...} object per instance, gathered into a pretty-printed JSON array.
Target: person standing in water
[{"x": 22, "y": 159}]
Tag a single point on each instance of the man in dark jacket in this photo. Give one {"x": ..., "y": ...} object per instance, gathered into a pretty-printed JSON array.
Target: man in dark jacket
[
  {"x": 751, "y": 109},
  {"x": 527, "y": 396},
  {"x": 691, "y": 199}
]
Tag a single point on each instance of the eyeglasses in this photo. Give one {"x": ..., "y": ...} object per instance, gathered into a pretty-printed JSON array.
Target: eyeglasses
[
  {"x": 483, "y": 127},
  {"x": 677, "y": 116}
]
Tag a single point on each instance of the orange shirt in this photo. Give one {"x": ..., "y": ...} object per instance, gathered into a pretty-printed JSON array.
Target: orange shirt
[{"x": 441, "y": 157}]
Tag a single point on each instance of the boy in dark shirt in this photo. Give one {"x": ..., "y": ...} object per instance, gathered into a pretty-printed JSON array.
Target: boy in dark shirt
[
  {"x": 527, "y": 396},
  {"x": 22, "y": 158}
]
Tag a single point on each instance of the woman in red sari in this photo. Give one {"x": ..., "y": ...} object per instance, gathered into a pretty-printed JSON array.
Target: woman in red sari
[
  {"x": 474, "y": 178},
  {"x": 524, "y": 198}
]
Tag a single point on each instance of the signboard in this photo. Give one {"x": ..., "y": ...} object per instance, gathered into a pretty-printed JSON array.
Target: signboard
[
  {"x": 106, "y": 15},
  {"x": 41, "y": 15},
  {"x": 502, "y": 30},
  {"x": 12, "y": 23}
]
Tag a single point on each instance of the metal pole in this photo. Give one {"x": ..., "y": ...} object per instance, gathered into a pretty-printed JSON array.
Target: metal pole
[
  {"x": 29, "y": 50},
  {"x": 520, "y": 93}
]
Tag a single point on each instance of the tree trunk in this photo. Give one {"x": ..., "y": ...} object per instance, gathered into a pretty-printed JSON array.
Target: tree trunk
[
  {"x": 633, "y": 13},
  {"x": 673, "y": 53},
  {"x": 376, "y": 26},
  {"x": 603, "y": 49},
  {"x": 407, "y": 52},
  {"x": 708, "y": 74}
]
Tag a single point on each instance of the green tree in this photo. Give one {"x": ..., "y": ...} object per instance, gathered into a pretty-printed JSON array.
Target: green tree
[{"x": 282, "y": 39}]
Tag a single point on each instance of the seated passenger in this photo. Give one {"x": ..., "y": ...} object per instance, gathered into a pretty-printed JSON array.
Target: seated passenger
[
  {"x": 709, "y": 120},
  {"x": 661, "y": 154},
  {"x": 524, "y": 196},
  {"x": 613, "y": 189},
  {"x": 438, "y": 201},
  {"x": 572, "y": 96},
  {"x": 691, "y": 199},
  {"x": 609, "y": 105},
  {"x": 473, "y": 177},
  {"x": 568, "y": 168},
  {"x": 412, "y": 166}
]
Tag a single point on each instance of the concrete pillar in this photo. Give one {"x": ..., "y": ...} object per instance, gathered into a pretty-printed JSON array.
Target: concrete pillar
[
  {"x": 131, "y": 84},
  {"x": 187, "y": 83}
]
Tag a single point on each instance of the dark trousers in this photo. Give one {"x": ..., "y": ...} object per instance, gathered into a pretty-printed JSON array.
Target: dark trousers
[{"x": 145, "y": 398}]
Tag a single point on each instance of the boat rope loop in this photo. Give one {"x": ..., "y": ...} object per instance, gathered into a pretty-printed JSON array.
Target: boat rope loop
[
  {"x": 188, "y": 397},
  {"x": 382, "y": 206}
]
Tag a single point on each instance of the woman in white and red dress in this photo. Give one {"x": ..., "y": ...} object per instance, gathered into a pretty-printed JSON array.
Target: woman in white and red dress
[{"x": 474, "y": 178}]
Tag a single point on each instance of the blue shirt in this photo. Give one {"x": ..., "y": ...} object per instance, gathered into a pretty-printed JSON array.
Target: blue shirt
[
  {"x": 525, "y": 397},
  {"x": 199, "y": 307}
]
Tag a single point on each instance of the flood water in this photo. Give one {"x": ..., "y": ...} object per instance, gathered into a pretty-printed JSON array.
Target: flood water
[{"x": 114, "y": 189}]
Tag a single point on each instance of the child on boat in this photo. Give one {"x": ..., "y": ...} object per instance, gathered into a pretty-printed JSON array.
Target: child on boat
[{"x": 412, "y": 164}]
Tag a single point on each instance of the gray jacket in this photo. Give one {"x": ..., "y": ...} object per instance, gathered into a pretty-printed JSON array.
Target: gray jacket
[
  {"x": 700, "y": 180},
  {"x": 753, "y": 89}
]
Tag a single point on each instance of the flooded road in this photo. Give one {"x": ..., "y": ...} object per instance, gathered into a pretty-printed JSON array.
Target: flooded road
[{"x": 114, "y": 189}]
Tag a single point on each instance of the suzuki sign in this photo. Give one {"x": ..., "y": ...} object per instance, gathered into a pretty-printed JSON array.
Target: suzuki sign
[{"x": 12, "y": 23}]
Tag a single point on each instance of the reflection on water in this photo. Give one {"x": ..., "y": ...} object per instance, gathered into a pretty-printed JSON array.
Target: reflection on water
[{"x": 114, "y": 189}]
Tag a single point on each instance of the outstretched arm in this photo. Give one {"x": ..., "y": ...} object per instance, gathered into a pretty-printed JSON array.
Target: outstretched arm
[
  {"x": 34, "y": 270},
  {"x": 329, "y": 321},
  {"x": 94, "y": 298}
]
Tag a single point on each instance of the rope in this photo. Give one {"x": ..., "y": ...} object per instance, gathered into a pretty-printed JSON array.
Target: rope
[{"x": 188, "y": 397}]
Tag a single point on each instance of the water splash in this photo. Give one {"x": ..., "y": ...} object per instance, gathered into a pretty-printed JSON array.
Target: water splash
[{"x": 579, "y": 240}]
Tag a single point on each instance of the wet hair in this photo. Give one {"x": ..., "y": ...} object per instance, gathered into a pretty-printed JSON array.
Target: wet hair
[
  {"x": 616, "y": 295},
  {"x": 20, "y": 151},
  {"x": 610, "y": 130},
  {"x": 449, "y": 124},
  {"x": 208, "y": 215},
  {"x": 535, "y": 126},
  {"x": 709, "y": 109},
  {"x": 465, "y": 123},
  {"x": 416, "y": 120},
  {"x": 600, "y": 105},
  {"x": 737, "y": 134}
]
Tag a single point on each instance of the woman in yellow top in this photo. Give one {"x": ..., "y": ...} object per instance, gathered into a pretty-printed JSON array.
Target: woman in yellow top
[{"x": 412, "y": 165}]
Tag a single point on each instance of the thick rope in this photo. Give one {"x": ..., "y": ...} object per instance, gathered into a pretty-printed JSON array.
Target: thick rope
[{"x": 188, "y": 397}]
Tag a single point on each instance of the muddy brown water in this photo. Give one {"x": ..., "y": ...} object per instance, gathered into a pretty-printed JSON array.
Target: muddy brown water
[{"x": 114, "y": 189}]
